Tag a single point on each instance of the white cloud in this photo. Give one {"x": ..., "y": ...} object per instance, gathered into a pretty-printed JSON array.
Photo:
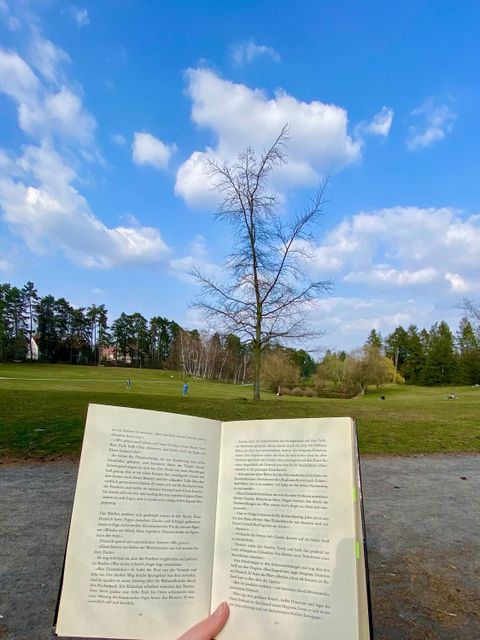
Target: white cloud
[
  {"x": 349, "y": 320},
  {"x": 438, "y": 121},
  {"x": 42, "y": 112},
  {"x": 193, "y": 182},
  {"x": 46, "y": 57},
  {"x": 17, "y": 80},
  {"x": 393, "y": 267},
  {"x": 394, "y": 277},
  {"x": 146, "y": 149},
  {"x": 80, "y": 15},
  {"x": 380, "y": 124},
  {"x": 237, "y": 115},
  {"x": 61, "y": 114},
  {"x": 401, "y": 240},
  {"x": 247, "y": 51},
  {"x": 44, "y": 208},
  {"x": 457, "y": 283},
  {"x": 39, "y": 199}
]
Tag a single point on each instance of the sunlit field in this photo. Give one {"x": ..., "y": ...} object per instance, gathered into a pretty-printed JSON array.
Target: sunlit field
[{"x": 43, "y": 409}]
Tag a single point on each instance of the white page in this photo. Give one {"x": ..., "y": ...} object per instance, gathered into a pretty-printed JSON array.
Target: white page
[
  {"x": 139, "y": 556},
  {"x": 285, "y": 535}
]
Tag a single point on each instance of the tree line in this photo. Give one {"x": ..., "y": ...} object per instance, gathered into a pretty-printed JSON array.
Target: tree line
[
  {"x": 83, "y": 335},
  {"x": 435, "y": 356}
]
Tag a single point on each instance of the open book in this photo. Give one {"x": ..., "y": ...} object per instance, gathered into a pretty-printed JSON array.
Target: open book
[{"x": 174, "y": 514}]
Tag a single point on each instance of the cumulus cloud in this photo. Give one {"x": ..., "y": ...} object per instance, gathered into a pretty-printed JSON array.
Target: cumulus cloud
[
  {"x": 351, "y": 319},
  {"x": 402, "y": 251},
  {"x": 457, "y": 283},
  {"x": 400, "y": 265},
  {"x": 243, "y": 53},
  {"x": 41, "y": 204},
  {"x": 319, "y": 139},
  {"x": 436, "y": 121},
  {"x": 146, "y": 149},
  {"x": 39, "y": 199},
  {"x": 41, "y": 111},
  {"x": 17, "y": 80},
  {"x": 60, "y": 114},
  {"x": 394, "y": 277}
]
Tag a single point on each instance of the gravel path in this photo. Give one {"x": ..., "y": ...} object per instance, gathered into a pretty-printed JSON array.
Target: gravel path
[{"x": 423, "y": 526}]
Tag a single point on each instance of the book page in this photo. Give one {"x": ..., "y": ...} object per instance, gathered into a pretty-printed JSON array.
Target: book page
[
  {"x": 285, "y": 555},
  {"x": 362, "y": 577},
  {"x": 140, "y": 549}
]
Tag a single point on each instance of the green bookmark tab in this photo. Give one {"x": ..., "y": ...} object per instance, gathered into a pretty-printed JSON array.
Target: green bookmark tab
[
  {"x": 354, "y": 493},
  {"x": 357, "y": 550}
]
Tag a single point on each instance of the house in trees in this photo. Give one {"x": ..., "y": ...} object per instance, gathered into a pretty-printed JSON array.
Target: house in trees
[{"x": 110, "y": 355}]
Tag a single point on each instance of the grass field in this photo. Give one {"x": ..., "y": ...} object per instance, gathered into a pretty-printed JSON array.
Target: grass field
[{"x": 43, "y": 409}]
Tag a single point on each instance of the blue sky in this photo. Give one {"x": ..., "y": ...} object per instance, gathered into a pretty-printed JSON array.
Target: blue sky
[{"x": 108, "y": 110}]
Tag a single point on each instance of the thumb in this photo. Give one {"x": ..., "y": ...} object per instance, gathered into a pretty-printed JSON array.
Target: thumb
[{"x": 208, "y": 628}]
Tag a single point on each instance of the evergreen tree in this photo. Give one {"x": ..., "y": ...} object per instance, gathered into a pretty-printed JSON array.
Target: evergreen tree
[
  {"x": 304, "y": 361},
  {"x": 468, "y": 344},
  {"x": 46, "y": 327},
  {"x": 374, "y": 339},
  {"x": 123, "y": 336},
  {"x": 440, "y": 364},
  {"x": 414, "y": 362},
  {"x": 396, "y": 348}
]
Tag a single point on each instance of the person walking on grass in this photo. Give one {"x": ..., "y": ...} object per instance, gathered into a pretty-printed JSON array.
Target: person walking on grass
[{"x": 185, "y": 390}]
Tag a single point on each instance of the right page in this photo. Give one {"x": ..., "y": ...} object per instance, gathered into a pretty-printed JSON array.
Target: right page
[{"x": 285, "y": 538}]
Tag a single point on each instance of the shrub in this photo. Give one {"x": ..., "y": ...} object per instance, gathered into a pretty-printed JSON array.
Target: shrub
[{"x": 296, "y": 391}]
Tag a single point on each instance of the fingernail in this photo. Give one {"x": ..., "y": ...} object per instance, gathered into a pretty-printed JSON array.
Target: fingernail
[{"x": 220, "y": 609}]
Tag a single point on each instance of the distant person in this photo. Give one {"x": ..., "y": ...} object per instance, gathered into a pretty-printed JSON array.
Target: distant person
[
  {"x": 185, "y": 390},
  {"x": 129, "y": 384}
]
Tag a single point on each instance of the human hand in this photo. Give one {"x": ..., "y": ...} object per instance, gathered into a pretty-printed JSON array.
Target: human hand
[{"x": 208, "y": 628}]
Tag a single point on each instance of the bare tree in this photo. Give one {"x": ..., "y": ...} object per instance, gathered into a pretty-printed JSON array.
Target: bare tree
[
  {"x": 265, "y": 294},
  {"x": 471, "y": 309}
]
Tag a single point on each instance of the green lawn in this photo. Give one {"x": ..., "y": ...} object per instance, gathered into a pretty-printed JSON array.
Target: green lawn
[{"x": 43, "y": 408}]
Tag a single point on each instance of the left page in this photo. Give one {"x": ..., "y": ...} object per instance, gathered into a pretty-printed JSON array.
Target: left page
[{"x": 139, "y": 555}]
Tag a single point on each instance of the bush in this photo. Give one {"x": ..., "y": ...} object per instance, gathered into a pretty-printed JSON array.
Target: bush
[
  {"x": 285, "y": 391},
  {"x": 296, "y": 391},
  {"x": 309, "y": 393}
]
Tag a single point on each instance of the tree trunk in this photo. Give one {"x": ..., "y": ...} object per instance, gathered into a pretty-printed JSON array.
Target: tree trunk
[{"x": 256, "y": 370}]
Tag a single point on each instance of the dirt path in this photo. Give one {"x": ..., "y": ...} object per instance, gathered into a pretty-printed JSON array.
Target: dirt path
[{"x": 423, "y": 526}]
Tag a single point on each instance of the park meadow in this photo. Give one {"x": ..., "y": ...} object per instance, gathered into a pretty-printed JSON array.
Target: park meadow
[{"x": 43, "y": 409}]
